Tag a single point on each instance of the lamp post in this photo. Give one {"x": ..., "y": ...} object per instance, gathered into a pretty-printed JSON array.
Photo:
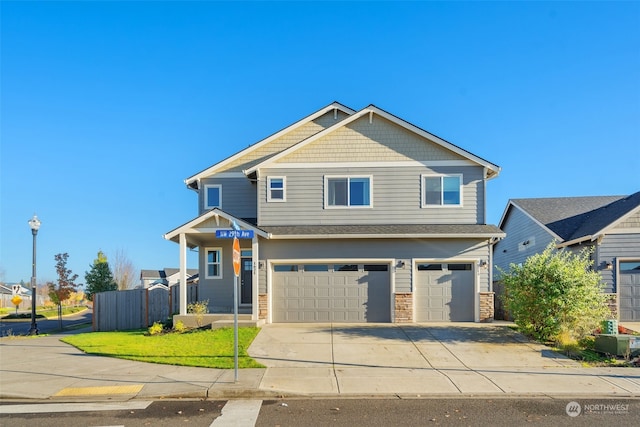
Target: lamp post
[{"x": 34, "y": 223}]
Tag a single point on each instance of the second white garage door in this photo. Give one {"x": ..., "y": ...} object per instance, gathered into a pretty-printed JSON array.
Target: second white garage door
[
  {"x": 444, "y": 292},
  {"x": 331, "y": 293}
]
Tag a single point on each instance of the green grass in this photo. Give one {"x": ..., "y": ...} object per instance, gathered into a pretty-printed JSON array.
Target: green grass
[{"x": 202, "y": 348}]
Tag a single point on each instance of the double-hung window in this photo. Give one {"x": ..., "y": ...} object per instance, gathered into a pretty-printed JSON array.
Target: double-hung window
[
  {"x": 212, "y": 196},
  {"x": 441, "y": 190},
  {"x": 276, "y": 189},
  {"x": 349, "y": 191},
  {"x": 213, "y": 263}
]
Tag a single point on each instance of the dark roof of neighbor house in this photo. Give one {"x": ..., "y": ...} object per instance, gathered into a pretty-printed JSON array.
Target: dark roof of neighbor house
[
  {"x": 572, "y": 218},
  {"x": 386, "y": 231}
]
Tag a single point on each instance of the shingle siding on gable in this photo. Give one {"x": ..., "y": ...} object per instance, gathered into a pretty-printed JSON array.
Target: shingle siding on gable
[
  {"x": 362, "y": 141},
  {"x": 260, "y": 154},
  {"x": 632, "y": 222},
  {"x": 396, "y": 198},
  {"x": 519, "y": 228}
]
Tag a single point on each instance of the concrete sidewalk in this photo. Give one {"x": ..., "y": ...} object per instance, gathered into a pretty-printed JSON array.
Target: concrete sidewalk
[{"x": 462, "y": 360}]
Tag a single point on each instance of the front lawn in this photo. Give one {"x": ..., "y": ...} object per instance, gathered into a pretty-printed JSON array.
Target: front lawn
[{"x": 203, "y": 348}]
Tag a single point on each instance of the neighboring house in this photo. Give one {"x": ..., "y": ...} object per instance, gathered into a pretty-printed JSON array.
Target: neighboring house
[
  {"x": 609, "y": 224},
  {"x": 167, "y": 277},
  {"x": 358, "y": 216}
]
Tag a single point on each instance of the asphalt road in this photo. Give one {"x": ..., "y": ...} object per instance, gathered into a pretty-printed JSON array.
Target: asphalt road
[
  {"x": 351, "y": 412},
  {"x": 21, "y": 327}
]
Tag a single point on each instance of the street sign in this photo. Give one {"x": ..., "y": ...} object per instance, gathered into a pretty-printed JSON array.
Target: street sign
[
  {"x": 236, "y": 257},
  {"x": 234, "y": 234},
  {"x": 15, "y": 289}
]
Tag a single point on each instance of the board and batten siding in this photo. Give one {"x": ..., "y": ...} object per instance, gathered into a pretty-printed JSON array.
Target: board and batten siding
[
  {"x": 396, "y": 197},
  {"x": 361, "y": 250},
  {"x": 238, "y": 196},
  {"x": 519, "y": 228}
]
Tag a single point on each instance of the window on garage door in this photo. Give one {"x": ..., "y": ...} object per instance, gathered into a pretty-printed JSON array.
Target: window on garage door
[{"x": 285, "y": 268}]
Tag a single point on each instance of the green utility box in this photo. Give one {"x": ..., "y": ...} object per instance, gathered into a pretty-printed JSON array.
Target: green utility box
[
  {"x": 610, "y": 327},
  {"x": 620, "y": 345}
]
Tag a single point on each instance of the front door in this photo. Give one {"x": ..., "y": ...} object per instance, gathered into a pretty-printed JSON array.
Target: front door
[{"x": 246, "y": 282}]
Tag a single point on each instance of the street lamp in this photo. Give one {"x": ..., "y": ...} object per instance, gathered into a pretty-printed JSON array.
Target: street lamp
[{"x": 34, "y": 223}]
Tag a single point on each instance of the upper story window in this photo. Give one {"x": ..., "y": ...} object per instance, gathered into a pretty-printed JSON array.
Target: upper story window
[
  {"x": 276, "y": 189},
  {"x": 441, "y": 190},
  {"x": 214, "y": 263},
  {"x": 350, "y": 191},
  {"x": 212, "y": 196}
]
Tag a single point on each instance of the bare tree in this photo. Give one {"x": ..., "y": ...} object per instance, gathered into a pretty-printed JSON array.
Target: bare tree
[{"x": 124, "y": 272}]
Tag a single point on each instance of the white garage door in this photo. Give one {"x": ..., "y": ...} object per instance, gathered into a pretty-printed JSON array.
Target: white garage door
[
  {"x": 331, "y": 293},
  {"x": 629, "y": 290},
  {"x": 444, "y": 292}
]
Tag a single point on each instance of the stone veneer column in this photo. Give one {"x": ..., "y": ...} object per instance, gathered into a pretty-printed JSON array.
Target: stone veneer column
[
  {"x": 403, "y": 307},
  {"x": 263, "y": 310},
  {"x": 486, "y": 307}
]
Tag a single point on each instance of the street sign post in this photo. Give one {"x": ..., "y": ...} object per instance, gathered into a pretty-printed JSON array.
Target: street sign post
[{"x": 235, "y": 234}]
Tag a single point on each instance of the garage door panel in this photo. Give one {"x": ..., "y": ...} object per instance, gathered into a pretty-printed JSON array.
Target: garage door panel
[
  {"x": 332, "y": 296},
  {"x": 629, "y": 292},
  {"x": 443, "y": 295}
]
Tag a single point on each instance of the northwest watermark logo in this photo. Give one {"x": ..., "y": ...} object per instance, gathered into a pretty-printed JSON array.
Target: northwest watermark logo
[{"x": 573, "y": 409}]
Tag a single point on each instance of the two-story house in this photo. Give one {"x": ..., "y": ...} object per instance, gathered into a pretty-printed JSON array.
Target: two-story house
[
  {"x": 358, "y": 216},
  {"x": 608, "y": 225}
]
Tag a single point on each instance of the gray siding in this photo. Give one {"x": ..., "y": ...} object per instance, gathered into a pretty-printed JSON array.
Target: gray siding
[
  {"x": 396, "y": 197},
  {"x": 238, "y": 196},
  {"x": 519, "y": 229},
  {"x": 362, "y": 249},
  {"x": 613, "y": 247}
]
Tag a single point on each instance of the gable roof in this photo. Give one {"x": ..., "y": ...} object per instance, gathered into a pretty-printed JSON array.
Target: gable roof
[
  {"x": 215, "y": 213},
  {"x": 193, "y": 181},
  {"x": 492, "y": 169},
  {"x": 575, "y": 219}
]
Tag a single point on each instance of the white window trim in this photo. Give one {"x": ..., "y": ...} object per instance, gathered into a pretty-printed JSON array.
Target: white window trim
[
  {"x": 348, "y": 206},
  {"x": 206, "y": 195},
  {"x": 433, "y": 175},
  {"x": 284, "y": 189},
  {"x": 206, "y": 263}
]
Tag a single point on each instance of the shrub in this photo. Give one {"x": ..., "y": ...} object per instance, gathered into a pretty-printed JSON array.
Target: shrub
[
  {"x": 156, "y": 328},
  {"x": 179, "y": 327},
  {"x": 199, "y": 308},
  {"x": 555, "y": 296}
]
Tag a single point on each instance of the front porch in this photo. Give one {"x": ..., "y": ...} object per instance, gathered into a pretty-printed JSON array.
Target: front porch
[{"x": 217, "y": 282}]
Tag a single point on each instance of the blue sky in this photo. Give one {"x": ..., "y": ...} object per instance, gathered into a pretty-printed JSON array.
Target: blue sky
[{"x": 107, "y": 107}]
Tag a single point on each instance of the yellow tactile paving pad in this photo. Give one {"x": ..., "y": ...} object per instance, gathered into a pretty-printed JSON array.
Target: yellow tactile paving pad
[{"x": 94, "y": 391}]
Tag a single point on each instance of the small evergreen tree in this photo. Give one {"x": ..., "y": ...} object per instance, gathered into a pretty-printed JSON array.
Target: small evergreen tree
[
  {"x": 99, "y": 278},
  {"x": 66, "y": 284},
  {"x": 555, "y": 293}
]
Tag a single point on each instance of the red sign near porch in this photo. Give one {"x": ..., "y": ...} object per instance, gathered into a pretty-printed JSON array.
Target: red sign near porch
[{"x": 236, "y": 257}]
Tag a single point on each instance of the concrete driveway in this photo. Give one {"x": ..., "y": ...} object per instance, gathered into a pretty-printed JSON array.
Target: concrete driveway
[
  {"x": 421, "y": 359},
  {"x": 434, "y": 345}
]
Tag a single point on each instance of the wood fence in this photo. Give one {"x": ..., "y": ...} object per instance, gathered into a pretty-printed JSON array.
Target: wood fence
[{"x": 136, "y": 308}]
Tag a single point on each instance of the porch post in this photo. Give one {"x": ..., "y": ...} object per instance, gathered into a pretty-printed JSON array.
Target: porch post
[
  {"x": 255, "y": 298},
  {"x": 183, "y": 274}
]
